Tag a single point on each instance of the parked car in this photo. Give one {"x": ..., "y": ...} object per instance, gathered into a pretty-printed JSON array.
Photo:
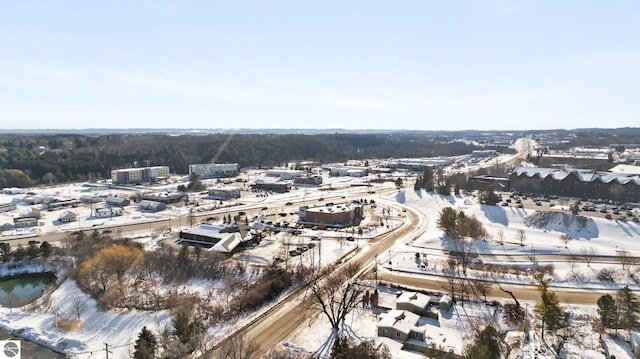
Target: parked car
[{"x": 607, "y": 216}]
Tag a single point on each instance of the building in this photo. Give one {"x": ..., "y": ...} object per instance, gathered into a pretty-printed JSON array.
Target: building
[
  {"x": 139, "y": 175},
  {"x": 108, "y": 212},
  {"x": 224, "y": 193},
  {"x": 151, "y": 206},
  {"x": 90, "y": 199},
  {"x": 7, "y": 207},
  {"x": 62, "y": 203},
  {"x": 68, "y": 216},
  {"x": 350, "y": 171},
  {"x": 330, "y": 215},
  {"x": 14, "y": 190},
  {"x": 223, "y": 239},
  {"x": 117, "y": 202},
  {"x": 579, "y": 183},
  {"x": 414, "y": 302},
  {"x": 314, "y": 180},
  {"x": 214, "y": 170},
  {"x": 485, "y": 182},
  {"x": 279, "y": 187},
  {"x": 283, "y": 174},
  {"x": 403, "y": 326},
  {"x": 166, "y": 197},
  {"x": 23, "y": 222}
]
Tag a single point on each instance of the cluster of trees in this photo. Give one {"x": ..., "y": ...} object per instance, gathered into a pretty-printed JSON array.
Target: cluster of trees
[
  {"x": 46, "y": 159},
  {"x": 457, "y": 224},
  {"x": 124, "y": 276},
  {"x": 32, "y": 251},
  {"x": 621, "y": 312}
]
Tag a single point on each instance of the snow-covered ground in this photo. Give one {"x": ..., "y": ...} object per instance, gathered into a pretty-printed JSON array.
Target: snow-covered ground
[
  {"x": 603, "y": 236},
  {"x": 120, "y": 328}
]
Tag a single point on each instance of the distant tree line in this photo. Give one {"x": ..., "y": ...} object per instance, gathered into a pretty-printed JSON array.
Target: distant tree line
[{"x": 30, "y": 159}]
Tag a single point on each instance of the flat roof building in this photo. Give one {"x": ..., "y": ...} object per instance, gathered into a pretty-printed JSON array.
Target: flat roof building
[{"x": 214, "y": 170}]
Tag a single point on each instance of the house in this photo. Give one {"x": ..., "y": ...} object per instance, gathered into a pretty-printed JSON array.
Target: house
[
  {"x": 68, "y": 216},
  {"x": 108, "y": 212},
  {"x": 22, "y": 222},
  {"x": 414, "y": 302},
  {"x": 31, "y": 213},
  {"x": 117, "y": 202},
  {"x": 403, "y": 326},
  {"x": 151, "y": 206},
  {"x": 445, "y": 302}
]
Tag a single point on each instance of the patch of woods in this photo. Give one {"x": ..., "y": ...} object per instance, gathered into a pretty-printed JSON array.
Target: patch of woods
[
  {"x": 119, "y": 274},
  {"x": 20, "y": 252},
  {"x": 31, "y": 159}
]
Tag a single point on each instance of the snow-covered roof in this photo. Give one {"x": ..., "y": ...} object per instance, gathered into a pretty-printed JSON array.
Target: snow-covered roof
[
  {"x": 228, "y": 244},
  {"x": 401, "y": 320},
  {"x": 626, "y": 169},
  {"x": 413, "y": 298},
  {"x": 582, "y": 175}
]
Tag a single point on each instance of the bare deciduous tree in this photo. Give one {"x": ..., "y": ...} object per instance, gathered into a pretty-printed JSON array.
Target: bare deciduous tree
[
  {"x": 78, "y": 305},
  {"x": 336, "y": 294},
  {"x": 588, "y": 253},
  {"x": 565, "y": 238},
  {"x": 521, "y": 236},
  {"x": 238, "y": 347}
]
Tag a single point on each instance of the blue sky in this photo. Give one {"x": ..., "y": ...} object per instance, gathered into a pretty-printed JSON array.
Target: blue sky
[{"x": 418, "y": 65}]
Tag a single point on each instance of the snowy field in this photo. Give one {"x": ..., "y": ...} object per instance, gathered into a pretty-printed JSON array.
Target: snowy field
[{"x": 120, "y": 328}]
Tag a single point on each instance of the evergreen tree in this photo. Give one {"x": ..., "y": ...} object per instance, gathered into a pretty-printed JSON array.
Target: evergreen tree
[
  {"x": 548, "y": 309},
  {"x": 343, "y": 348},
  {"x": 628, "y": 308},
  {"x": 46, "y": 249},
  {"x": 146, "y": 345},
  {"x": 485, "y": 346},
  {"x": 608, "y": 311},
  {"x": 5, "y": 252},
  {"x": 489, "y": 197},
  {"x": 418, "y": 185},
  {"x": 427, "y": 179}
]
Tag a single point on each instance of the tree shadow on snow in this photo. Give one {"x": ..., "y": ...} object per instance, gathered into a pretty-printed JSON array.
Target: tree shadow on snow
[
  {"x": 495, "y": 214},
  {"x": 401, "y": 197}
]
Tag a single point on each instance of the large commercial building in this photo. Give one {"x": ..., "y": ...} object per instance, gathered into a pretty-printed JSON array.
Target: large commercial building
[
  {"x": 331, "y": 216},
  {"x": 214, "y": 170},
  {"x": 224, "y": 193},
  {"x": 139, "y": 175},
  {"x": 579, "y": 183}
]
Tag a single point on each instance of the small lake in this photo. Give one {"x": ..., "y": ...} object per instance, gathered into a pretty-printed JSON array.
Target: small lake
[{"x": 18, "y": 291}]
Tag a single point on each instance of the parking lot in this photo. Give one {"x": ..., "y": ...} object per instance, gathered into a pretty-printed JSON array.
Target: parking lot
[{"x": 597, "y": 208}]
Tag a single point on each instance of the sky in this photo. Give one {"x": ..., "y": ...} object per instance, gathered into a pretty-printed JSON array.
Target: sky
[{"x": 414, "y": 65}]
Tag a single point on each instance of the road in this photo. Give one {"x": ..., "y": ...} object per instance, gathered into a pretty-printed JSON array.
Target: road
[{"x": 282, "y": 320}]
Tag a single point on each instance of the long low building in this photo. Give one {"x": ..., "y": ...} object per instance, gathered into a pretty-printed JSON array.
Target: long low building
[
  {"x": 579, "y": 183},
  {"x": 223, "y": 239},
  {"x": 214, "y": 170}
]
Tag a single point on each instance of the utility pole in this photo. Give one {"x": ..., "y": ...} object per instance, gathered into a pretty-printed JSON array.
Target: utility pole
[{"x": 106, "y": 350}]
